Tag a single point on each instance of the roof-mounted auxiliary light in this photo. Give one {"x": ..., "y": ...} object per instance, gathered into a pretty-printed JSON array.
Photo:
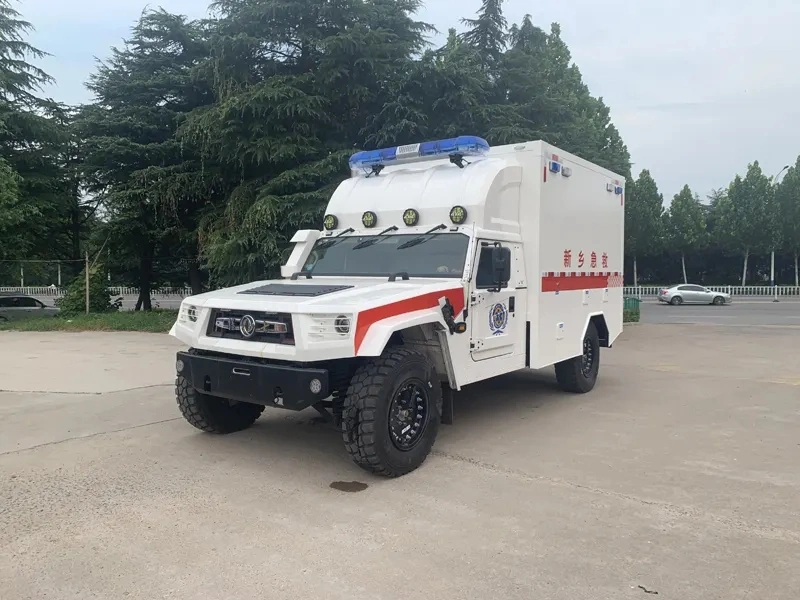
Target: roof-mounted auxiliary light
[
  {"x": 373, "y": 161},
  {"x": 410, "y": 217},
  {"x": 330, "y": 222}
]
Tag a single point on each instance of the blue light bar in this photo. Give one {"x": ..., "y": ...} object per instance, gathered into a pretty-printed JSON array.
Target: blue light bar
[{"x": 465, "y": 145}]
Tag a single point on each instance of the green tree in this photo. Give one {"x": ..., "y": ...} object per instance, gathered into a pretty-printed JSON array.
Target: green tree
[
  {"x": 32, "y": 138},
  {"x": 294, "y": 83},
  {"x": 19, "y": 79},
  {"x": 788, "y": 202},
  {"x": 644, "y": 220},
  {"x": 487, "y": 32},
  {"x": 154, "y": 187},
  {"x": 747, "y": 216},
  {"x": 687, "y": 227}
]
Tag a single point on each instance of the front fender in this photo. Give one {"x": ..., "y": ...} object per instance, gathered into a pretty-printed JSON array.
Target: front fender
[{"x": 379, "y": 333}]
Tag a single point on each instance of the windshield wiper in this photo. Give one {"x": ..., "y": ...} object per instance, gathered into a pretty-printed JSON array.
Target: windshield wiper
[
  {"x": 421, "y": 239},
  {"x": 374, "y": 240},
  {"x": 325, "y": 244}
]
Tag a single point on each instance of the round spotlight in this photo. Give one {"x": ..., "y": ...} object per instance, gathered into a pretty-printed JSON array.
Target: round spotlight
[
  {"x": 342, "y": 324},
  {"x": 369, "y": 219},
  {"x": 458, "y": 214},
  {"x": 315, "y": 385},
  {"x": 179, "y": 366},
  {"x": 410, "y": 217},
  {"x": 330, "y": 222}
]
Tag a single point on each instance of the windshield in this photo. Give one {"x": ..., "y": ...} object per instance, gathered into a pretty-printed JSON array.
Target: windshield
[{"x": 439, "y": 255}]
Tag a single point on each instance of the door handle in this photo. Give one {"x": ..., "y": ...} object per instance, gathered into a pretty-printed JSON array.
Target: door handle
[
  {"x": 243, "y": 372},
  {"x": 511, "y": 304}
]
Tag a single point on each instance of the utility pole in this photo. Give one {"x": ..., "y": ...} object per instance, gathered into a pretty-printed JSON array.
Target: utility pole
[
  {"x": 87, "y": 282},
  {"x": 772, "y": 254}
]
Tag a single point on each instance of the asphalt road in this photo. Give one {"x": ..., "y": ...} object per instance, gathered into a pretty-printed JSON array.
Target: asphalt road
[
  {"x": 742, "y": 312},
  {"x": 678, "y": 474}
]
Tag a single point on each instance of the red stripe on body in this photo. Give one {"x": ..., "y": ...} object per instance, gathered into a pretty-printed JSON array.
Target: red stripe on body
[
  {"x": 568, "y": 282},
  {"x": 367, "y": 318}
]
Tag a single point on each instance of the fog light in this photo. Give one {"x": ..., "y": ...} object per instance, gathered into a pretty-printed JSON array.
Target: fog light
[
  {"x": 179, "y": 365},
  {"x": 315, "y": 386}
]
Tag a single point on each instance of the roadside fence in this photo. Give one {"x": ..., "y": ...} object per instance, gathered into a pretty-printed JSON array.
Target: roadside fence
[
  {"x": 114, "y": 291},
  {"x": 641, "y": 291},
  {"x": 734, "y": 290}
]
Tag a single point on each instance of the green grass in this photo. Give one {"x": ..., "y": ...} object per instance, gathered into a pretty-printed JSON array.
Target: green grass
[{"x": 157, "y": 321}]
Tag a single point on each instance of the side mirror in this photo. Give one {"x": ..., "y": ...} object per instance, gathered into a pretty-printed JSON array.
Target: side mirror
[{"x": 501, "y": 267}]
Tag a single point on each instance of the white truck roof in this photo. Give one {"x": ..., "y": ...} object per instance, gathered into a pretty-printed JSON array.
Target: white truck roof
[{"x": 487, "y": 187}]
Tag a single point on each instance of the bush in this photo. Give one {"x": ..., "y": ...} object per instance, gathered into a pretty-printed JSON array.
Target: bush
[
  {"x": 630, "y": 315},
  {"x": 74, "y": 301}
]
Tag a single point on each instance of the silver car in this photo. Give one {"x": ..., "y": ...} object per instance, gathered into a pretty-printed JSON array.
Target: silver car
[
  {"x": 692, "y": 294},
  {"x": 14, "y": 306}
]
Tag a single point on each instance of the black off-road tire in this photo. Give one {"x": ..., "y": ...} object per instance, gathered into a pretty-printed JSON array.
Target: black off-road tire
[
  {"x": 570, "y": 373},
  {"x": 365, "y": 412},
  {"x": 676, "y": 301},
  {"x": 212, "y": 414}
]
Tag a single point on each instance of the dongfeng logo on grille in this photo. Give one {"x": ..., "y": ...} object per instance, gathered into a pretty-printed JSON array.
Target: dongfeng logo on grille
[{"x": 247, "y": 326}]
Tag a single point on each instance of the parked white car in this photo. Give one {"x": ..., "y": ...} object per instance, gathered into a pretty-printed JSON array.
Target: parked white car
[{"x": 692, "y": 294}]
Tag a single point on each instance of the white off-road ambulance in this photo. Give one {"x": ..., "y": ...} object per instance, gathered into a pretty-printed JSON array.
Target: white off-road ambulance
[{"x": 439, "y": 264}]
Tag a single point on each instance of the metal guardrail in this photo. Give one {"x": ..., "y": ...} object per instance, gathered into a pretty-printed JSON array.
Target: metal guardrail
[
  {"x": 115, "y": 291},
  {"x": 733, "y": 290},
  {"x": 631, "y": 291}
]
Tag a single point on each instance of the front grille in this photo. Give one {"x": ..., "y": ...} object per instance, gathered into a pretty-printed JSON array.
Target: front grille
[{"x": 251, "y": 326}]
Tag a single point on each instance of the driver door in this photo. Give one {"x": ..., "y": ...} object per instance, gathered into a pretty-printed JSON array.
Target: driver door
[{"x": 493, "y": 312}]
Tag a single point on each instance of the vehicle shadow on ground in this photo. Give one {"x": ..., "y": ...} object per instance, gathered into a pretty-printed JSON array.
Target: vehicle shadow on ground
[{"x": 286, "y": 439}]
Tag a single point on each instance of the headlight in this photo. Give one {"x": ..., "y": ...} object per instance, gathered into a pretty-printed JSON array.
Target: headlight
[
  {"x": 342, "y": 324},
  {"x": 188, "y": 313},
  {"x": 330, "y": 327}
]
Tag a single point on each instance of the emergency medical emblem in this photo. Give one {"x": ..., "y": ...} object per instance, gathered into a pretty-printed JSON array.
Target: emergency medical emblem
[{"x": 498, "y": 318}]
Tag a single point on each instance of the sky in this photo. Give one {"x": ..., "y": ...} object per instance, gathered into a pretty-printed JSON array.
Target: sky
[{"x": 698, "y": 89}]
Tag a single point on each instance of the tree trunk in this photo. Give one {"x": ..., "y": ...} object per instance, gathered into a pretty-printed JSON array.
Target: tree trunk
[
  {"x": 194, "y": 278},
  {"x": 635, "y": 274},
  {"x": 744, "y": 270},
  {"x": 683, "y": 266},
  {"x": 796, "y": 272},
  {"x": 145, "y": 277}
]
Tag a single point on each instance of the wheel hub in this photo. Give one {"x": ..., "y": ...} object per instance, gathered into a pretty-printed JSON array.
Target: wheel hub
[{"x": 408, "y": 414}]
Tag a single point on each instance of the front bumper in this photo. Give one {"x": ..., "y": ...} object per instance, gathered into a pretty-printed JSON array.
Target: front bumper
[{"x": 294, "y": 388}]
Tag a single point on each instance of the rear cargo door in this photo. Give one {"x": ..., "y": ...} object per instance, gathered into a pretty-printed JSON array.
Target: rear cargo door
[{"x": 494, "y": 324}]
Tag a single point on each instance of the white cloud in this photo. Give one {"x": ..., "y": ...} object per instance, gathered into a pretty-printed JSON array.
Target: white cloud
[{"x": 698, "y": 88}]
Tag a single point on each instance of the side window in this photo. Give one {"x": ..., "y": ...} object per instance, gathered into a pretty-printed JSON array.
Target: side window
[
  {"x": 483, "y": 277},
  {"x": 697, "y": 288},
  {"x": 25, "y": 302},
  {"x": 685, "y": 288}
]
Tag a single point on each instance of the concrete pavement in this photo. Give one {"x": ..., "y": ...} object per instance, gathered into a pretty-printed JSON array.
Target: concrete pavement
[{"x": 678, "y": 473}]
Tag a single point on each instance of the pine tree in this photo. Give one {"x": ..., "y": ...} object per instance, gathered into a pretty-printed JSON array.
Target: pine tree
[
  {"x": 487, "y": 31},
  {"x": 295, "y": 83},
  {"x": 154, "y": 186},
  {"x": 19, "y": 79}
]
